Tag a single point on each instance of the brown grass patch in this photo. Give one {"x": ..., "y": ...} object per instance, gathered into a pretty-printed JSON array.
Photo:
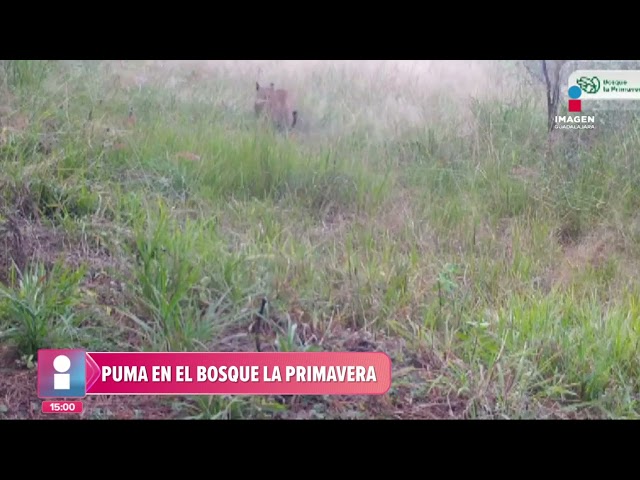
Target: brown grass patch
[{"x": 593, "y": 251}]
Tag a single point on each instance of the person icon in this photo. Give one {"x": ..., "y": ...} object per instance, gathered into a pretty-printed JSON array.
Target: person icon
[{"x": 62, "y": 379}]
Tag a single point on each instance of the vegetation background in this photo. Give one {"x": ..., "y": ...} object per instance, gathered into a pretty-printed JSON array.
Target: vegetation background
[{"x": 421, "y": 208}]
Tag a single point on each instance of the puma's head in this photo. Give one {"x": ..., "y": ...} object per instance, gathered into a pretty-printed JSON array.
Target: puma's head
[{"x": 263, "y": 96}]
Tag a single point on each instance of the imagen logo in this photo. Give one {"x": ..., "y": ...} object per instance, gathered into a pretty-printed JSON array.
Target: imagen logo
[{"x": 61, "y": 374}]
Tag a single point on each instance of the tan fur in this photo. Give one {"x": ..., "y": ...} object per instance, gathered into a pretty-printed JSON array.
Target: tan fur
[{"x": 277, "y": 104}]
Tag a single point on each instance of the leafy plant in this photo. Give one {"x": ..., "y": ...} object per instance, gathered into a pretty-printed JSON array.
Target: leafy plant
[
  {"x": 289, "y": 341},
  {"x": 42, "y": 302}
]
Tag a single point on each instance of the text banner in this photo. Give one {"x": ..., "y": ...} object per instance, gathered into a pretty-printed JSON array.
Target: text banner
[{"x": 190, "y": 373}]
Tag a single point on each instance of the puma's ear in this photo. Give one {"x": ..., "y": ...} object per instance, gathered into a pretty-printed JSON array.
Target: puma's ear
[
  {"x": 272, "y": 86},
  {"x": 257, "y": 86}
]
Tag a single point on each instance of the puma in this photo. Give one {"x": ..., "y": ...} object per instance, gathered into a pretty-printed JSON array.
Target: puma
[{"x": 276, "y": 104}]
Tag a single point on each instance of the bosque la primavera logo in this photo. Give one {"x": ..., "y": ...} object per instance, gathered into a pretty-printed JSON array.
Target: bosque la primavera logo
[
  {"x": 605, "y": 85},
  {"x": 587, "y": 88},
  {"x": 589, "y": 85}
]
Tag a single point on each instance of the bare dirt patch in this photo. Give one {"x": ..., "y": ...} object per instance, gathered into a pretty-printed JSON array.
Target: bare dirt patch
[{"x": 25, "y": 242}]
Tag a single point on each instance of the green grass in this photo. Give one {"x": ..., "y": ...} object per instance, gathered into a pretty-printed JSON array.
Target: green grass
[{"x": 440, "y": 229}]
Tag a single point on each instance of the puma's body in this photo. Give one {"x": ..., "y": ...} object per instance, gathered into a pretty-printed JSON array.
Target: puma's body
[{"x": 277, "y": 104}]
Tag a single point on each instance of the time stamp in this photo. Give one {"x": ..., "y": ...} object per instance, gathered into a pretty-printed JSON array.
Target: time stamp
[{"x": 61, "y": 406}]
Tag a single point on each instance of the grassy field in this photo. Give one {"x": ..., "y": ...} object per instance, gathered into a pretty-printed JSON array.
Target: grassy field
[{"x": 415, "y": 211}]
